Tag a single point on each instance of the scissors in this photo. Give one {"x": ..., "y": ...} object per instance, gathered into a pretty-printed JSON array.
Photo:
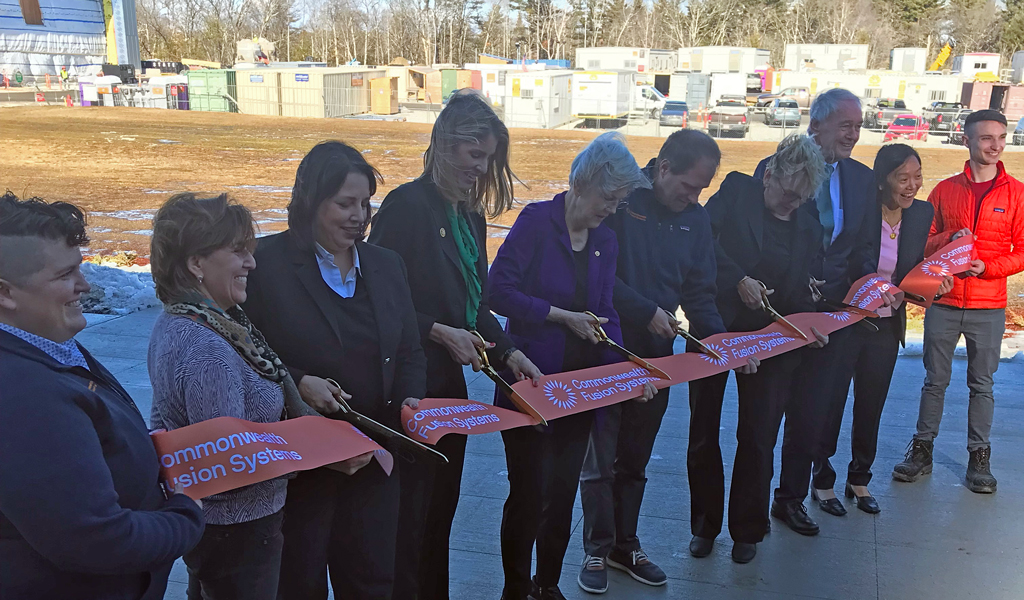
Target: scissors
[
  {"x": 704, "y": 347},
  {"x": 819, "y": 297},
  {"x": 368, "y": 425},
  {"x": 514, "y": 396},
  {"x": 767, "y": 306},
  {"x": 633, "y": 358}
]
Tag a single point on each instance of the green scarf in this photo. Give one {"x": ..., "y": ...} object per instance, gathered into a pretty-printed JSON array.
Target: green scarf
[{"x": 469, "y": 253}]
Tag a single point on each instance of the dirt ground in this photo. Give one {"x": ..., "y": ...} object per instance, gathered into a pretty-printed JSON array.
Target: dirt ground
[{"x": 120, "y": 164}]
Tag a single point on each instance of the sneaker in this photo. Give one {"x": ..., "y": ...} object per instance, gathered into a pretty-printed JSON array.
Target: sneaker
[
  {"x": 918, "y": 462},
  {"x": 548, "y": 593},
  {"x": 593, "y": 575},
  {"x": 637, "y": 565},
  {"x": 979, "y": 472}
]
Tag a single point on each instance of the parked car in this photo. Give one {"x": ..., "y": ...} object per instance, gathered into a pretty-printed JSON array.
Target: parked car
[
  {"x": 1018, "y": 133},
  {"x": 675, "y": 114},
  {"x": 940, "y": 115},
  {"x": 728, "y": 116},
  {"x": 907, "y": 127},
  {"x": 801, "y": 95},
  {"x": 782, "y": 112},
  {"x": 881, "y": 113},
  {"x": 956, "y": 134}
]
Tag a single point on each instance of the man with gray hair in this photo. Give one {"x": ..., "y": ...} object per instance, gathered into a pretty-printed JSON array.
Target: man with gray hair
[{"x": 839, "y": 205}]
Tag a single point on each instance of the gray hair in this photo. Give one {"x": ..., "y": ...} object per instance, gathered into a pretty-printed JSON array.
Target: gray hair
[
  {"x": 798, "y": 159},
  {"x": 607, "y": 165},
  {"x": 828, "y": 102}
]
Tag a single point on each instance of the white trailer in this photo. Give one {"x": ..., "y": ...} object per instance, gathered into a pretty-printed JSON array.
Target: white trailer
[
  {"x": 826, "y": 57},
  {"x": 638, "y": 60},
  {"x": 494, "y": 77},
  {"x": 601, "y": 94},
  {"x": 909, "y": 60},
  {"x": 727, "y": 84},
  {"x": 972, "y": 64},
  {"x": 916, "y": 90},
  {"x": 722, "y": 59},
  {"x": 538, "y": 99}
]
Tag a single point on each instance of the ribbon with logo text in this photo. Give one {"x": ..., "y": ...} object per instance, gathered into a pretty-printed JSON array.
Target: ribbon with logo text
[{"x": 922, "y": 282}]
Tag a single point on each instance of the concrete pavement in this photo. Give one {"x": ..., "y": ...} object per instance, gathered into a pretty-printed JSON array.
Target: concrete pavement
[{"x": 933, "y": 539}]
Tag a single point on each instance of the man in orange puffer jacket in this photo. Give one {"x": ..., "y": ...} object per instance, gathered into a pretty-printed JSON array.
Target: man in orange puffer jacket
[{"x": 984, "y": 200}]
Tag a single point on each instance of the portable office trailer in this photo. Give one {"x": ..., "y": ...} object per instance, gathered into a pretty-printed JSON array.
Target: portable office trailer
[
  {"x": 493, "y": 77},
  {"x": 909, "y": 60},
  {"x": 827, "y": 57},
  {"x": 156, "y": 90},
  {"x": 722, "y": 59},
  {"x": 916, "y": 90},
  {"x": 722, "y": 84},
  {"x": 541, "y": 99},
  {"x": 1017, "y": 66},
  {"x": 601, "y": 94},
  {"x": 259, "y": 91},
  {"x": 348, "y": 92},
  {"x": 638, "y": 60},
  {"x": 213, "y": 90},
  {"x": 972, "y": 64}
]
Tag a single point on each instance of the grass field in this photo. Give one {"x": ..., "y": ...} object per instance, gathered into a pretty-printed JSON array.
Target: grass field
[{"x": 120, "y": 164}]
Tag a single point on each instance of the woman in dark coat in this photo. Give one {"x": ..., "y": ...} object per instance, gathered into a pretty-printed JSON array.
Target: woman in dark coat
[
  {"x": 897, "y": 229},
  {"x": 335, "y": 307},
  {"x": 557, "y": 263},
  {"x": 764, "y": 248},
  {"x": 436, "y": 223}
]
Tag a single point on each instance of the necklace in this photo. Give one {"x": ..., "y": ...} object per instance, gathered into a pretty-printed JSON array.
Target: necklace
[{"x": 892, "y": 228}]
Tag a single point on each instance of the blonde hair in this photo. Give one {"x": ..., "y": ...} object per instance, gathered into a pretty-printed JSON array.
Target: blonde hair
[
  {"x": 468, "y": 119},
  {"x": 799, "y": 159}
]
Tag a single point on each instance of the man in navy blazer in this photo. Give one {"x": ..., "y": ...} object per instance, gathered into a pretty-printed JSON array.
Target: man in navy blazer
[{"x": 840, "y": 206}]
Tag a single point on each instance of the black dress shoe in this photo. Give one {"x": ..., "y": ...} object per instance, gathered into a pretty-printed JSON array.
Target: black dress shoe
[
  {"x": 832, "y": 506},
  {"x": 794, "y": 515},
  {"x": 701, "y": 547},
  {"x": 743, "y": 553},
  {"x": 867, "y": 504}
]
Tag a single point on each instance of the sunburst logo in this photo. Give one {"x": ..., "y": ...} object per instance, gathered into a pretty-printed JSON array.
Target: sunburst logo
[
  {"x": 841, "y": 316},
  {"x": 560, "y": 394},
  {"x": 711, "y": 359},
  {"x": 935, "y": 268}
]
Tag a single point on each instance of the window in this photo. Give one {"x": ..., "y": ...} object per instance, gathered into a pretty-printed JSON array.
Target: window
[
  {"x": 593, "y": 64},
  {"x": 873, "y": 93},
  {"x": 30, "y": 12},
  {"x": 526, "y": 93},
  {"x": 630, "y": 64},
  {"x": 936, "y": 95},
  {"x": 501, "y": 77}
]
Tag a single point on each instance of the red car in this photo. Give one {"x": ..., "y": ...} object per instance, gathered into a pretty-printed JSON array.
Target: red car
[{"x": 907, "y": 127}]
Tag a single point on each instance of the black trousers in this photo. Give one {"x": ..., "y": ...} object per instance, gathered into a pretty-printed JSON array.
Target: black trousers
[
  {"x": 543, "y": 475},
  {"x": 763, "y": 399},
  {"x": 342, "y": 525},
  {"x": 237, "y": 562},
  {"x": 814, "y": 396},
  {"x": 430, "y": 495},
  {"x": 872, "y": 358},
  {"x": 615, "y": 473}
]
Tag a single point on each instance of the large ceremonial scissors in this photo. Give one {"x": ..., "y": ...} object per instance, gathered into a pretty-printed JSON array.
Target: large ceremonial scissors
[
  {"x": 514, "y": 396},
  {"x": 603, "y": 338},
  {"x": 704, "y": 347}
]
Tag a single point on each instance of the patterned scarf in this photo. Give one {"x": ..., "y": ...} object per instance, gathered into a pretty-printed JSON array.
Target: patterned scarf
[
  {"x": 469, "y": 253},
  {"x": 235, "y": 327}
]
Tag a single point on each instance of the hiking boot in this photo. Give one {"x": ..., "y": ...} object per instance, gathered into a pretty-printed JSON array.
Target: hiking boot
[
  {"x": 544, "y": 593},
  {"x": 979, "y": 472},
  {"x": 918, "y": 462},
  {"x": 593, "y": 575},
  {"x": 638, "y": 566}
]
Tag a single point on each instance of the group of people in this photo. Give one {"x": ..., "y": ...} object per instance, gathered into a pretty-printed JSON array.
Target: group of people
[{"x": 295, "y": 323}]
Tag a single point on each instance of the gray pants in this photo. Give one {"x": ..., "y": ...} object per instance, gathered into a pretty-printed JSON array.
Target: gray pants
[
  {"x": 983, "y": 330},
  {"x": 615, "y": 473}
]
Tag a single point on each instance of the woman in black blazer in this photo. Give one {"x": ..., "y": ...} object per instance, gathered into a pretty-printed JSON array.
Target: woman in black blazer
[
  {"x": 893, "y": 243},
  {"x": 764, "y": 248},
  {"x": 436, "y": 223},
  {"x": 334, "y": 307}
]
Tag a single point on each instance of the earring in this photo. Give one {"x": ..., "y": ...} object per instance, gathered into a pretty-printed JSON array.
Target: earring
[{"x": 200, "y": 280}]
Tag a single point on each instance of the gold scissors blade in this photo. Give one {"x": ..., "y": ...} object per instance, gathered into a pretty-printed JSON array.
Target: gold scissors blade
[
  {"x": 361, "y": 422},
  {"x": 516, "y": 398},
  {"x": 783, "y": 320},
  {"x": 704, "y": 347},
  {"x": 633, "y": 358}
]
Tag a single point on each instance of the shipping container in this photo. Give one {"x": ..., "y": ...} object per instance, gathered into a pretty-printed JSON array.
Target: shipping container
[
  {"x": 464, "y": 79},
  {"x": 601, "y": 94},
  {"x": 433, "y": 92},
  {"x": 677, "y": 86},
  {"x": 1017, "y": 66},
  {"x": 213, "y": 90},
  {"x": 384, "y": 91},
  {"x": 539, "y": 99},
  {"x": 449, "y": 83},
  {"x": 698, "y": 91},
  {"x": 477, "y": 82}
]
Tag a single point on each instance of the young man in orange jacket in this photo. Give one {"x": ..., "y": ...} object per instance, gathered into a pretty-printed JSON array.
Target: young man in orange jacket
[{"x": 986, "y": 201}]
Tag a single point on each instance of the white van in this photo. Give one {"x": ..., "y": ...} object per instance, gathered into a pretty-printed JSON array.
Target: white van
[{"x": 648, "y": 99}]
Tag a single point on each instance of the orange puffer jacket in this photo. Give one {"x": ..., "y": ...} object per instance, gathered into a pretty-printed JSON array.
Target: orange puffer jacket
[{"x": 999, "y": 235}]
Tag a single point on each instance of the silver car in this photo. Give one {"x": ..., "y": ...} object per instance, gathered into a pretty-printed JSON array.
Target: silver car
[{"x": 782, "y": 112}]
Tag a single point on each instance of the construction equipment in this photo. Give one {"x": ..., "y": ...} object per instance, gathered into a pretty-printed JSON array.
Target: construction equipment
[{"x": 943, "y": 56}]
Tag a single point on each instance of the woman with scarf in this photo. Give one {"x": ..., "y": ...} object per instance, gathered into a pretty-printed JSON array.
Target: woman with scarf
[{"x": 436, "y": 223}]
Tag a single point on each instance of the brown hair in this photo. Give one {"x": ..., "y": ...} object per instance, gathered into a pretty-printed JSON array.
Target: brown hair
[
  {"x": 468, "y": 118},
  {"x": 187, "y": 226}
]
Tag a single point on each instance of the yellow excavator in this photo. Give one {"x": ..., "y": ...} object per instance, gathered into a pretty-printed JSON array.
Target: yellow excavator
[{"x": 943, "y": 56}]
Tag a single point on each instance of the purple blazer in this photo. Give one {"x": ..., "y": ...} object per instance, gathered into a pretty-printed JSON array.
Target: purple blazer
[{"x": 533, "y": 271}]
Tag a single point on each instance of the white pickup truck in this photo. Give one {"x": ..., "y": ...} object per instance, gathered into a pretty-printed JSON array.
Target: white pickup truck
[{"x": 728, "y": 116}]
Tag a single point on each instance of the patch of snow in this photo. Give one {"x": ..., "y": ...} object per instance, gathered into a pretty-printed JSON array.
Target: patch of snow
[
  {"x": 128, "y": 215},
  {"x": 268, "y": 189},
  {"x": 148, "y": 232},
  {"x": 168, "y": 141},
  {"x": 118, "y": 290}
]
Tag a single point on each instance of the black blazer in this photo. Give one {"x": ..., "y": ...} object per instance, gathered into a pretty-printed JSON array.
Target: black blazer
[
  {"x": 857, "y": 191},
  {"x": 917, "y": 222},
  {"x": 412, "y": 222},
  {"x": 290, "y": 303},
  {"x": 737, "y": 224}
]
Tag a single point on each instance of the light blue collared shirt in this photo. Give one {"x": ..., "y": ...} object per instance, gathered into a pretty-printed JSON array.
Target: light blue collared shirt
[
  {"x": 343, "y": 286},
  {"x": 67, "y": 353},
  {"x": 835, "y": 191}
]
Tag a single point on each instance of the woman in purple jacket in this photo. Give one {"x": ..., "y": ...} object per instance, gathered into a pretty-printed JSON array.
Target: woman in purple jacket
[{"x": 557, "y": 263}]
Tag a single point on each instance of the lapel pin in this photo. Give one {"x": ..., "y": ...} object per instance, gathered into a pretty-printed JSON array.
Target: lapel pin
[
  {"x": 443, "y": 232},
  {"x": 597, "y": 253}
]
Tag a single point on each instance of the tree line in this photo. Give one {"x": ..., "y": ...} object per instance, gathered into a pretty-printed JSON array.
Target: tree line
[{"x": 456, "y": 31}]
